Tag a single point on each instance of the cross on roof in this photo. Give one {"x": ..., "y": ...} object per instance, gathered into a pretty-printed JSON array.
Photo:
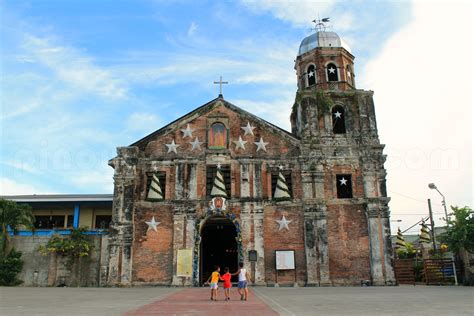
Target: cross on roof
[{"x": 220, "y": 82}]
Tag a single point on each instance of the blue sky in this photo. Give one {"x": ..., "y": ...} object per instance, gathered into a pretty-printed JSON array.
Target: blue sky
[{"x": 79, "y": 78}]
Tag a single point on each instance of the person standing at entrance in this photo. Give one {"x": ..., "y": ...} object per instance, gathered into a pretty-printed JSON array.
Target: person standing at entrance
[
  {"x": 243, "y": 277},
  {"x": 214, "y": 278},
  {"x": 227, "y": 284}
]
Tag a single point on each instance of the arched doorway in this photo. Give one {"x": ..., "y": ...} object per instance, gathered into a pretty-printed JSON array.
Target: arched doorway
[{"x": 218, "y": 246}]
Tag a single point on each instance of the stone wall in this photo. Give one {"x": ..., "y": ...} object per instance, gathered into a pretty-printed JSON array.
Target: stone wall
[{"x": 54, "y": 270}]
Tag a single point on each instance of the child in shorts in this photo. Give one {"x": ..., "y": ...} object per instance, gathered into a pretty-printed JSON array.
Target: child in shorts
[
  {"x": 227, "y": 284},
  {"x": 243, "y": 279},
  {"x": 214, "y": 278}
]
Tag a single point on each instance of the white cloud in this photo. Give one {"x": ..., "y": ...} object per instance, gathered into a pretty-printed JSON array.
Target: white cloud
[
  {"x": 345, "y": 21},
  {"x": 299, "y": 13},
  {"x": 144, "y": 122},
  {"x": 21, "y": 165},
  {"x": 96, "y": 181},
  {"x": 72, "y": 67},
  {"x": 192, "y": 29},
  {"x": 422, "y": 81},
  {"x": 11, "y": 187},
  {"x": 276, "y": 112}
]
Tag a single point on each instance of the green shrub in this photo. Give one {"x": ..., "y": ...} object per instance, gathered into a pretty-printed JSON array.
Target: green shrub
[
  {"x": 74, "y": 246},
  {"x": 10, "y": 266}
]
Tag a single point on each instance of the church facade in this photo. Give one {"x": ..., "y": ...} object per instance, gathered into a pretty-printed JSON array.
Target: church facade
[{"x": 220, "y": 186}]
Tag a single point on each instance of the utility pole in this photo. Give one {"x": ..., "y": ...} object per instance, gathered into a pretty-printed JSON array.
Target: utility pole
[
  {"x": 433, "y": 236},
  {"x": 434, "y": 187}
]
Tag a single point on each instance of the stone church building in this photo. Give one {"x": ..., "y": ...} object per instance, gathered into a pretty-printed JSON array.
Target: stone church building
[{"x": 220, "y": 186}]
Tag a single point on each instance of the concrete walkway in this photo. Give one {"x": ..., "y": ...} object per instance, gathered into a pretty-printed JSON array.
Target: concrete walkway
[
  {"x": 396, "y": 300},
  {"x": 196, "y": 301}
]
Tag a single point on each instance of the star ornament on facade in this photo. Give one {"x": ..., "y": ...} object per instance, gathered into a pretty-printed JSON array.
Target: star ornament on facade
[
  {"x": 261, "y": 145},
  {"x": 172, "y": 147},
  {"x": 338, "y": 114},
  {"x": 311, "y": 74},
  {"x": 240, "y": 143},
  {"x": 152, "y": 224},
  {"x": 248, "y": 129},
  {"x": 196, "y": 144},
  {"x": 187, "y": 132},
  {"x": 283, "y": 223},
  {"x": 332, "y": 70},
  {"x": 343, "y": 181}
]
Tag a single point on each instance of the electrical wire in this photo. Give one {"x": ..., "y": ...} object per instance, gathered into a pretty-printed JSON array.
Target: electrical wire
[{"x": 412, "y": 198}]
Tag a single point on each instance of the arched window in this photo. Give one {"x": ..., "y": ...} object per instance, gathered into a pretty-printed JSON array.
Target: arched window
[
  {"x": 338, "y": 120},
  {"x": 311, "y": 75},
  {"x": 331, "y": 70},
  {"x": 218, "y": 136}
]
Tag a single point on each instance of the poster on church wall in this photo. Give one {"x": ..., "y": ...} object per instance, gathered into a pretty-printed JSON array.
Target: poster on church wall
[
  {"x": 285, "y": 259},
  {"x": 184, "y": 263}
]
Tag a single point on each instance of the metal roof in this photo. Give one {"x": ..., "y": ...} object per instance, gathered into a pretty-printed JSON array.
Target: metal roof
[
  {"x": 322, "y": 39},
  {"x": 60, "y": 198}
]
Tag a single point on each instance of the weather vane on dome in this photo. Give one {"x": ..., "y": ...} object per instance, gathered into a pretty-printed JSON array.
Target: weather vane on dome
[{"x": 320, "y": 24}]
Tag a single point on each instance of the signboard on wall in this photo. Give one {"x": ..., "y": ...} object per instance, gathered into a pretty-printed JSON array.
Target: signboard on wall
[
  {"x": 184, "y": 263},
  {"x": 253, "y": 255},
  {"x": 285, "y": 259}
]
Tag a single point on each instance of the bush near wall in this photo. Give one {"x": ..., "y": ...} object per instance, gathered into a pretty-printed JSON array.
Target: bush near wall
[{"x": 10, "y": 266}]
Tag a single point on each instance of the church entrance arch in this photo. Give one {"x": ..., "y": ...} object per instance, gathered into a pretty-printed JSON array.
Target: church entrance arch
[{"x": 218, "y": 242}]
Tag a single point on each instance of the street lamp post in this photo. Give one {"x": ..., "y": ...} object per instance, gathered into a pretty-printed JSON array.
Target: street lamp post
[{"x": 432, "y": 186}]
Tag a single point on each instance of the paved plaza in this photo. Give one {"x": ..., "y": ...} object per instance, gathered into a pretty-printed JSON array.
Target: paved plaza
[{"x": 401, "y": 300}]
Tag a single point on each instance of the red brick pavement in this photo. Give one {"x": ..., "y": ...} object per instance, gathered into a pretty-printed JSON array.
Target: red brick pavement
[{"x": 196, "y": 301}]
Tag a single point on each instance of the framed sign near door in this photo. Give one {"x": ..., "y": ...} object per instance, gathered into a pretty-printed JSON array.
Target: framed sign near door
[
  {"x": 285, "y": 259},
  {"x": 184, "y": 263}
]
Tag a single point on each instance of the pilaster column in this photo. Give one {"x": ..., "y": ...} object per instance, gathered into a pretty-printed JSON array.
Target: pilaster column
[
  {"x": 259, "y": 246},
  {"x": 381, "y": 268},
  {"x": 245, "y": 232},
  {"x": 310, "y": 247},
  {"x": 323, "y": 250},
  {"x": 244, "y": 180},
  {"x": 316, "y": 246},
  {"x": 121, "y": 236},
  {"x": 179, "y": 219}
]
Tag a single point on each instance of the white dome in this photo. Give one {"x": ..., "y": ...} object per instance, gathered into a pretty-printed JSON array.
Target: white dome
[{"x": 322, "y": 39}]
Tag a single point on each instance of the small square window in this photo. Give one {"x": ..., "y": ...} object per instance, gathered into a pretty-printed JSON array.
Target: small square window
[
  {"x": 344, "y": 186},
  {"x": 102, "y": 221},
  {"x": 49, "y": 221},
  {"x": 70, "y": 220}
]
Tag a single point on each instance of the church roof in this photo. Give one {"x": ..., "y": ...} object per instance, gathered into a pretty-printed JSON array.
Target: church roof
[
  {"x": 322, "y": 39},
  {"x": 208, "y": 107}
]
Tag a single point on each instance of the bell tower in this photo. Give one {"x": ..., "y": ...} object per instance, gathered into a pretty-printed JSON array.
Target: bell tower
[
  {"x": 325, "y": 61},
  {"x": 342, "y": 163}
]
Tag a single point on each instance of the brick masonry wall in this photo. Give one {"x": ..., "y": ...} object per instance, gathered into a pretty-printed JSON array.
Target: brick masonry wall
[
  {"x": 348, "y": 243},
  {"x": 347, "y": 233},
  {"x": 153, "y": 251},
  {"x": 284, "y": 240}
]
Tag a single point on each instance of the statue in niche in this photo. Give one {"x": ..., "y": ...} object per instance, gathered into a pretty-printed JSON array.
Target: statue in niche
[{"x": 217, "y": 136}]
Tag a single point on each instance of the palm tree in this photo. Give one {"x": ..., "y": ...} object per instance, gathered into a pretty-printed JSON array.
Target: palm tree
[{"x": 13, "y": 215}]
